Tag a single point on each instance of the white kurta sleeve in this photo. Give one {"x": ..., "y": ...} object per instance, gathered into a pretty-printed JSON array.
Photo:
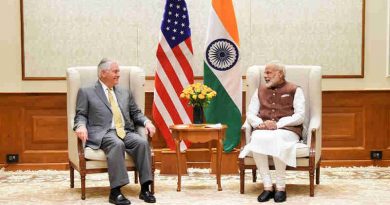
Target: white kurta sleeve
[
  {"x": 299, "y": 111},
  {"x": 253, "y": 110}
]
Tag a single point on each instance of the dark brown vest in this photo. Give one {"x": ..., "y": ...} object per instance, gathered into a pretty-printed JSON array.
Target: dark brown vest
[{"x": 277, "y": 102}]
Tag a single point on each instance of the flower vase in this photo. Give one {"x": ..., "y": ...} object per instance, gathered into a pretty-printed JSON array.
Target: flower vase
[{"x": 198, "y": 115}]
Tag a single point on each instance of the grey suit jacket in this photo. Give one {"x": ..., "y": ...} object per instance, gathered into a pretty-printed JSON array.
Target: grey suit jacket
[{"x": 94, "y": 111}]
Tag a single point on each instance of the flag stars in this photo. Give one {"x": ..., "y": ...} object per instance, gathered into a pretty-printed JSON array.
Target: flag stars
[{"x": 176, "y": 26}]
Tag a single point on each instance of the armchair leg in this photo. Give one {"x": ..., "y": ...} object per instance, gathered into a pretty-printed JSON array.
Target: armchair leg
[
  {"x": 82, "y": 176},
  {"x": 242, "y": 176},
  {"x": 318, "y": 174},
  {"x": 71, "y": 171},
  {"x": 254, "y": 175},
  {"x": 311, "y": 173},
  {"x": 135, "y": 177},
  {"x": 153, "y": 169}
]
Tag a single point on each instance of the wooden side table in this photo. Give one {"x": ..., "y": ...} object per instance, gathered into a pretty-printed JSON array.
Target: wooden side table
[{"x": 198, "y": 134}]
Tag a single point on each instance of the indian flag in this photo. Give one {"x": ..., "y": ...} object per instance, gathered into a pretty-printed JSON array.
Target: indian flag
[{"x": 221, "y": 72}]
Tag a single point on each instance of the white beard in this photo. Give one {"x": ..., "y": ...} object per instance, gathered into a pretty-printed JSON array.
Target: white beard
[{"x": 269, "y": 84}]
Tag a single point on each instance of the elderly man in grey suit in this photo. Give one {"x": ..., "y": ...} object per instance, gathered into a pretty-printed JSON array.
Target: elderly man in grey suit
[{"x": 105, "y": 119}]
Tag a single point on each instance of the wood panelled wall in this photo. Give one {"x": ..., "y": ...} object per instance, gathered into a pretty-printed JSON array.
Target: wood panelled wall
[{"x": 34, "y": 126}]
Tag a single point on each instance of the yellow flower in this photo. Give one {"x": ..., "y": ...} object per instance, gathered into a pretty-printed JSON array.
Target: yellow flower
[{"x": 198, "y": 94}]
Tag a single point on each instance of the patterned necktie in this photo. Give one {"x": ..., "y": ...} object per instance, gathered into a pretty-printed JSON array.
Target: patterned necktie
[{"x": 120, "y": 131}]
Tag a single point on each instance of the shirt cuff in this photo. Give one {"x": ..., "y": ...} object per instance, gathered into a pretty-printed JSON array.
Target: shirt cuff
[
  {"x": 79, "y": 125},
  {"x": 146, "y": 121}
]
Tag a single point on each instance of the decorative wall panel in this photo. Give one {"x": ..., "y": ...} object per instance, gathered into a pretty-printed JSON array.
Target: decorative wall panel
[
  {"x": 58, "y": 34},
  {"x": 354, "y": 124}
]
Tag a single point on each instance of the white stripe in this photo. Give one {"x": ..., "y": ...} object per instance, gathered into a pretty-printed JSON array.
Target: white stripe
[
  {"x": 183, "y": 146},
  {"x": 172, "y": 59},
  {"x": 187, "y": 52},
  {"x": 175, "y": 99},
  {"x": 166, "y": 117},
  {"x": 162, "y": 110}
]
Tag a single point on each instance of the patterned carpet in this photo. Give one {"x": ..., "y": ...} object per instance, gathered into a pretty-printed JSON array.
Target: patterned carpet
[{"x": 359, "y": 185}]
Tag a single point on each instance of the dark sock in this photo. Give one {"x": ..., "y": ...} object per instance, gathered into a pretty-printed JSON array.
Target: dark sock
[
  {"x": 116, "y": 191},
  {"x": 145, "y": 186}
]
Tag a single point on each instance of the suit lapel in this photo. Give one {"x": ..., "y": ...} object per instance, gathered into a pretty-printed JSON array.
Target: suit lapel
[{"x": 100, "y": 93}]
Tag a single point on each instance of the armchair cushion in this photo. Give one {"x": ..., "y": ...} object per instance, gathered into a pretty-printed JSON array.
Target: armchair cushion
[
  {"x": 98, "y": 154},
  {"x": 302, "y": 150}
]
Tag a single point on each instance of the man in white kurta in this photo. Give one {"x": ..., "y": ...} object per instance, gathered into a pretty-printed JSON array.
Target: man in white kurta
[{"x": 276, "y": 113}]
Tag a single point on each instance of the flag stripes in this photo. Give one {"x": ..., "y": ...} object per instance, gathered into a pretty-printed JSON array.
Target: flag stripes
[{"x": 174, "y": 70}]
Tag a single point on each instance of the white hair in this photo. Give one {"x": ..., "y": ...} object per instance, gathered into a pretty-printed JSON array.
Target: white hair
[
  {"x": 278, "y": 66},
  {"x": 104, "y": 64}
]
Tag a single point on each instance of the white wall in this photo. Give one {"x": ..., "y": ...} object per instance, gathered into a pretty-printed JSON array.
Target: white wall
[{"x": 375, "y": 54}]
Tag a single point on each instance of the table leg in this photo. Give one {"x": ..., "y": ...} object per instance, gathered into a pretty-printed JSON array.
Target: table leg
[
  {"x": 178, "y": 160},
  {"x": 219, "y": 161}
]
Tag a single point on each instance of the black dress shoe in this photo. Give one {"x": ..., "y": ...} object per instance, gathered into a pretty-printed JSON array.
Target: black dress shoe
[
  {"x": 147, "y": 196},
  {"x": 266, "y": 195},
  {"x": 119, "y": 200},
  {"x": 280, "y": 196}
]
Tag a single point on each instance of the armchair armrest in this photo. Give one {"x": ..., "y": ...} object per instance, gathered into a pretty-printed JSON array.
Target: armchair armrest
[
  {"x": 246, "y": 130},
  {"x": 80, "y": 149},
  {"x": 243, "y": 138},
  {"x": 314, "y": 138},
  {"x": 315, "y": 123},
  {"x": 73, "y": 151},
  {"x": 312, "y": 151}
]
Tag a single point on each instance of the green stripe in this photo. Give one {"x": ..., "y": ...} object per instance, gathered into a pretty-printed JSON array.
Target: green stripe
[{"x": 222, "y": 109}]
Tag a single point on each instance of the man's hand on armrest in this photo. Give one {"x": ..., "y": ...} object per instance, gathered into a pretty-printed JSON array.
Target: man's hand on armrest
[
  {"x": 82, "y": 133},
  {"x": 149, "y": 128}
]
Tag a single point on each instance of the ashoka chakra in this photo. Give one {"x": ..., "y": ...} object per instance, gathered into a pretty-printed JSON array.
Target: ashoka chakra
[{"x": 222, "y": 54}]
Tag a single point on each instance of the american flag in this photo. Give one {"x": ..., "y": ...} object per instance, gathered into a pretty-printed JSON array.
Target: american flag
[{"x": 174, "y": 70}]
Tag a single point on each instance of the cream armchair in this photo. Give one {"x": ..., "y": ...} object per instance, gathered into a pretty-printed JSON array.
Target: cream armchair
[
  {"x": 309, "y": 150},
  {"x": 84, "y": 159}
]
